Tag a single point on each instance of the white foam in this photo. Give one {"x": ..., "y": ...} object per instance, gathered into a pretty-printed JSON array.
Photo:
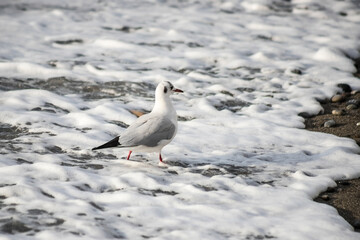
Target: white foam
[{"x": 30, "y": 70}]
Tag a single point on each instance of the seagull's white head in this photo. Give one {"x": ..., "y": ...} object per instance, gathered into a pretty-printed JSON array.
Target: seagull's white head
[
  {"x": 162, "y": 98},
  {"x": 166, "y": 88}
]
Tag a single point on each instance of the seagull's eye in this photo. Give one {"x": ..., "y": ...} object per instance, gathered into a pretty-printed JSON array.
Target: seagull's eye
[{"x": 165, "y": 89}]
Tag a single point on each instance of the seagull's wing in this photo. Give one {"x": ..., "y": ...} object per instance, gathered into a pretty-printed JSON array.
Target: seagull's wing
[{"x": 148, "y": 131}]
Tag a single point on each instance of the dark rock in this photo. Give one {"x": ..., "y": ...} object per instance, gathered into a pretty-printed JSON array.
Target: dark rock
[
  {"x": 345, "y": 87},
  {"x": 354, "y": 102}
]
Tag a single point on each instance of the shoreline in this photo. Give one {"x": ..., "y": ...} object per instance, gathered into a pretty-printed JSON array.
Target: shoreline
[{"x": 345, "y": 197}]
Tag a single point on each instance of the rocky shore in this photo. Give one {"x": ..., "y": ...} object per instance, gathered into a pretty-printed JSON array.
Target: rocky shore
[{"x": 341, "y": 117}]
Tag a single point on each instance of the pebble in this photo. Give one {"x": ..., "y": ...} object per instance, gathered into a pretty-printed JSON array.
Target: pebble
[
  {"x": 329, "y": 123},
  {"x": 338, "y": 112},
  {"x": 325, "y": 197},
  {"x": 337, "y": 98},
  {"x": 351, "y": 107},
  {"x": 358, "y": 124},
  {"x": 353, "y": 101}
]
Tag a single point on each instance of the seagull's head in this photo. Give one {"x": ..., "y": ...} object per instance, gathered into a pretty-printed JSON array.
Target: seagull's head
[{"x": 166, "y": 88}]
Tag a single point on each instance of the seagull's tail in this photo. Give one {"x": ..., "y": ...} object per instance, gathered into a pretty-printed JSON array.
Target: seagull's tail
[{"x": 112, "y": 143}]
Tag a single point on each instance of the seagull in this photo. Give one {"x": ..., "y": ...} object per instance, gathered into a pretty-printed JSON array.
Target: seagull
[{"x": 153, "y": 131}]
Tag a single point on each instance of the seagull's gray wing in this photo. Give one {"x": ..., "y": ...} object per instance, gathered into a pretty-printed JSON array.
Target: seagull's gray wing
[{"x": 147, "y": 131}]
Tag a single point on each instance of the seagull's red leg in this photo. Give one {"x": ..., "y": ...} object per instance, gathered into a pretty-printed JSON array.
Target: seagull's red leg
[
  {"x": 129, "y": 155},
  {"x": 160, "y": 157}
]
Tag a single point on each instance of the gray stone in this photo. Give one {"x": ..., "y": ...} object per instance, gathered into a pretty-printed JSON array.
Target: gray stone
[
  {"x": 351, "y": 107},
  {"x": 353, "y": 101},
  {"x": 330, "y": 123}
]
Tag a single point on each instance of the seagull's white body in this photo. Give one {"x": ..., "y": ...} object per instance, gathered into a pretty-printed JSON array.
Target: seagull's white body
[{"x": 151, "y": 132}]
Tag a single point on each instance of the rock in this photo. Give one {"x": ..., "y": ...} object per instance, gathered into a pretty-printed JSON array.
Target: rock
[
  {"x": 355, "y": 92},
  {"x": 345, "y": 87},
  {"x": 338, "y": 112},
  {"x": 353, "y": 101},
  {"x": 358, "y": 124},
  {"x": 337, "y": 98},
  {"x": 330, "y": 123},
  {"x": 325, "y": 197},
  {"x": 351, "y": 107}
]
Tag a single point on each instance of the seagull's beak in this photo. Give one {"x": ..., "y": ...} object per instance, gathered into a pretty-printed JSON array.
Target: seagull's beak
[{"x": 177, "y": 90}]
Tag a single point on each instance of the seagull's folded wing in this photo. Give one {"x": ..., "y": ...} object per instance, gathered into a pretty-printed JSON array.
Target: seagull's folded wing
[{"x": 148, "y": 131}]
